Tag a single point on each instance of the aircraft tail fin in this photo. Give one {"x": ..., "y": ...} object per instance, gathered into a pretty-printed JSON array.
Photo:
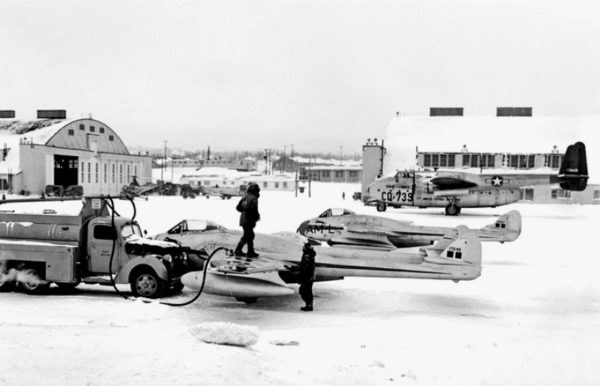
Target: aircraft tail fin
[
  {"x": 573, "y": 174},
  {"x": 464, "y": 248},
  {"x": 506, "y": 228}
]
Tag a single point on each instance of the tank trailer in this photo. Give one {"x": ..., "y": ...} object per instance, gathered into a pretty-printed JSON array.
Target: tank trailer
[{"x": 39, "y": 249}]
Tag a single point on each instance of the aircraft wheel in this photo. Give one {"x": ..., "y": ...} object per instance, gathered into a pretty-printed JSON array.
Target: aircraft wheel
[
  {"x": 381, "y": 206},
  {"x": 452, "y": 210}
]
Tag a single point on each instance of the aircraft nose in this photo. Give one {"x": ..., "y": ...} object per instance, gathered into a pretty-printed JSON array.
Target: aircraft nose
[{"x": 302, "y": 228}]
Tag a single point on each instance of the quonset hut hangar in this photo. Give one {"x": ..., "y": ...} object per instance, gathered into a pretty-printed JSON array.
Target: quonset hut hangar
[{"x": 53, "y": 150}]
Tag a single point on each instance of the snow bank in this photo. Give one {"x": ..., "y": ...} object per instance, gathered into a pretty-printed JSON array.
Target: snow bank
[{"x": 230, "y": 334}]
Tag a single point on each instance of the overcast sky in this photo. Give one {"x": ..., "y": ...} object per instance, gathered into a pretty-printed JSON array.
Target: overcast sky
[{"x": 319, "y": 75}]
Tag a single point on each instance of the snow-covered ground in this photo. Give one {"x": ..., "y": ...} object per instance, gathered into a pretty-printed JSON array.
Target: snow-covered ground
[{"x": 533, "y": 317}]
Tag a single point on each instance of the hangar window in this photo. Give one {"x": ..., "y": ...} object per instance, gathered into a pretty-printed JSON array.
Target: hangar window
[
  {"x": 82, "y": 127},
  {"x": 3, "y": 184},
  {"x": 466, "y": 160},
  {"x": 101, "y": 130},
  {"x": 90, "y": 172},
  {"x": 71, "y": 132},
  {"x": 135, "y": 170},
  {"x": 92, "y": 129},
  {"x": 264, "y": 184},
  {"x": 96, "y": 172},
  {"x": 427, "y": 160},
  {"x": 120, "y": 174},
  {"x": 339, "y": 173},
  {"x": 435, "y": 160},
  {"x": 474, "y": 160},
  {"x": 353, "y": 173},
  {"x": 105, "y": 173},
  {"x": 443, "y": 160},
  {"x": 113, "y": 174},
  {"x": 82, "y": 172},
  {"x": 111, "y": 138},
  {"x": 127, "y": 174},
  {"x": 276, "y": 185},
  {"x": 597, "y": 194},
  {"x": 285, "y": 185}
]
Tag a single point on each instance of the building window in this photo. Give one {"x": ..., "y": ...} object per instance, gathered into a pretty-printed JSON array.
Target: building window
[
  {"x": 96, "y": 172},
  {"x": 101, "y": 130},
  {"x": 353, "y": 173},
  {"x": 105, "y": 173},
  {"x": 111, "y": 138},
  {"x": 92, "y": 129},
  {"x": 325, "y": 173},
  {"x": 82, "y": 127},
  {"x": 120, "y": 173},
  {"x": 276, "y": 185},
  {"x": 128, "y": 174},
  {"x": 285, "y": 185},
  {"x": 82, "y": 172},
  {"x": 560, "y": 194},
  {"x": 113, "y": 173},
  {"x": 527, "y": 194},
  {"x": 89, "y": 172},
  {"x": 596, "y": 194},
  {"x": 135, "y": 171},
  {"x": 443, "y": 160},
  {"x": 427, "y": 160},
  {"x": 466, "y": 160},
  {"x": 71, "y": 132},
  {"x": 339, "y": 173},
  {"x": 474, "y": 160},
  {"x": 265, "y": 184},
  {"x": 435, "y": 160}
]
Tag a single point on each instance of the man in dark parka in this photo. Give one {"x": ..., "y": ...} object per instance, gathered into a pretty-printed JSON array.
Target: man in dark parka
[
  {"x": 307, "y": 276},
  {"x": 248, "y": 207}
]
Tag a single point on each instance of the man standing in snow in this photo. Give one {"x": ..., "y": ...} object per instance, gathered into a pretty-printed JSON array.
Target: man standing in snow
[
  {"x": 307, "y": 276},
  {"x": 248, "y": 207}
]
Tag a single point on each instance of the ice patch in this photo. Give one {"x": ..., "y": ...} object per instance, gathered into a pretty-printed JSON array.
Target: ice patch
[{"x": 226, "y": 333}]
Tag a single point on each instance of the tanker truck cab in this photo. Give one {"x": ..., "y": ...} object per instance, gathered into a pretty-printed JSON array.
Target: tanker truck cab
[{"x": 39, "y": 249}]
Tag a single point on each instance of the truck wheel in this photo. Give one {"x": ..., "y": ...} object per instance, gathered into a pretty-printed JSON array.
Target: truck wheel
[
  {"x": 32, "y": 283},
  {"x": 6, "y": 285},
  {"x": 146, "y": 283},
  {"x": 381, "y": 206}
]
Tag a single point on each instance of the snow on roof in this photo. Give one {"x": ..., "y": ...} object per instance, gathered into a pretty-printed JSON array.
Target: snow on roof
[
  {"x": 37, "y": 131},
  {"x": 404, "y": 135}
]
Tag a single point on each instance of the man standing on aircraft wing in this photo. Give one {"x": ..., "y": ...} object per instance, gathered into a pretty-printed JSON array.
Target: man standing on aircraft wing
[
  {"x": 307, "y": 276},
  {"x": 248, "y": 207}
]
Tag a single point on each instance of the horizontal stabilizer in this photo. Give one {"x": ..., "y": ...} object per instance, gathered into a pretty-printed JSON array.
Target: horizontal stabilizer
[{"x": 573, "y": 174}]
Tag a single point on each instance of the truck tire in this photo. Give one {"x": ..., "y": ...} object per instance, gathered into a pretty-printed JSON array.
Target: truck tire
[
  {"x": 381, "y": 206},
  {"x": 5, "y": 286},
  {"x": 33, "y": 283},
  {"x": 146, "y": 283}
]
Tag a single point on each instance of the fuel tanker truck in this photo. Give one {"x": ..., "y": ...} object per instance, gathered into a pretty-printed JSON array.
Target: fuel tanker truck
[{"x": 91, "y": 247}]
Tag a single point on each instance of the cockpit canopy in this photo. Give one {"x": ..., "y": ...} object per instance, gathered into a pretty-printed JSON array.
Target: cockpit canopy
[
  {"x": 194, "y": 226},
  {"x": 336, "y": 212}
]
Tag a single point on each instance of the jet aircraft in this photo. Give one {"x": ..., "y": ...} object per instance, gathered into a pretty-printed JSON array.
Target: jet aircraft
[
  {"x": 457, "y": 257},
  {"x": 343, "y": 228},
  {"x": 454, "y": 189}
]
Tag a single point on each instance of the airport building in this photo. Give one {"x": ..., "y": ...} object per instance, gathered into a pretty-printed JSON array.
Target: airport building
[
  {"x": 54, "y": 150},
  {"x": 512, "y": 140},
  {"x": 349, "y": 174}
]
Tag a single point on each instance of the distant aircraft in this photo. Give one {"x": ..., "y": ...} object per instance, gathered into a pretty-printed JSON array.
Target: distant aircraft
[
  {"x": 246, "y": 279},
  {"x": 344, "y": 228},
  {"x": 463, "y": 189}
]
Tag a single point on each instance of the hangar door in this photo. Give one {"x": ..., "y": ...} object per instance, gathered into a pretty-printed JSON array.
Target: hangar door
[{"x": 65, "y": 170}]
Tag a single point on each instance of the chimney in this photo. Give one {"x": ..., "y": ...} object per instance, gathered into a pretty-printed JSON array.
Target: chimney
[
  {"x": 52, "y": 114},
  {"x": 514, "y": 111},
  {"x": 7, "y": 113},
  {"x": 445, "y": 111}
]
